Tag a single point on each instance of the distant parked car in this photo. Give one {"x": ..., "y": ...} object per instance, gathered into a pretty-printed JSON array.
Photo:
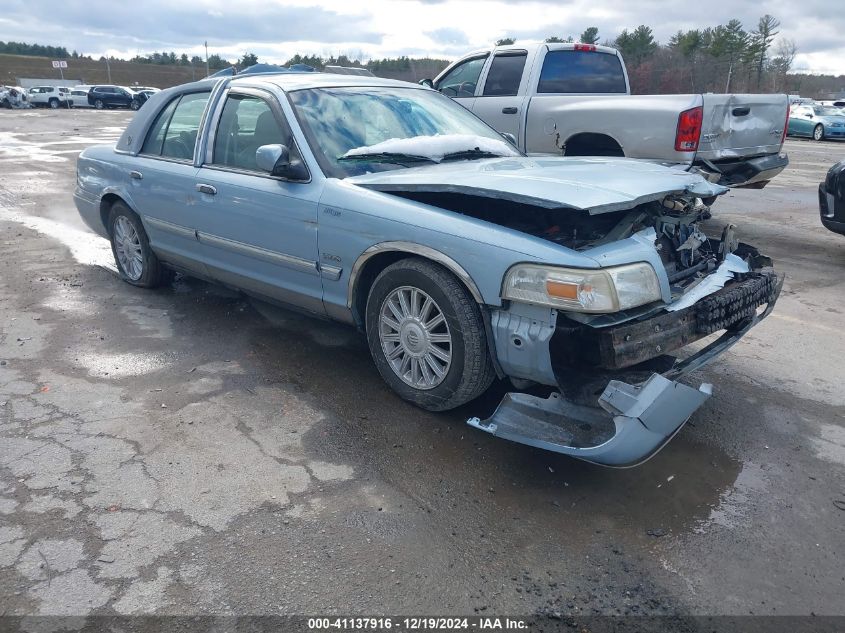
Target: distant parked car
[
  {"x": 50, "y": 97},
  {"x": 13, "y": 97},
  {"x": 832, "y": 199},
  {"x": 146, "y": 89},
  {"x": 817, "y": 122},
  {"x": 113, "y": 97},
  {"x": 79, "y": 96}
]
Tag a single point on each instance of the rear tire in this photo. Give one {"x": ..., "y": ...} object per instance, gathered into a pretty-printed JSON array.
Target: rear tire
[
  {"x": 427, "y": 336},
  {"x": 54, "y": 104},
  {"x": 818, "y": 132},
  {"x": 136, "y": 262}
]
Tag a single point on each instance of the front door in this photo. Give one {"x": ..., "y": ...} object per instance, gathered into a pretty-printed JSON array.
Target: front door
[
  {"x": 257, "y": 231},
  {"x": 461, "y": 83}
]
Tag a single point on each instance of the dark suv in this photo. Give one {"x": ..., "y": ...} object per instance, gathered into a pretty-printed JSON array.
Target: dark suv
[{"x": 113, "y": 97}]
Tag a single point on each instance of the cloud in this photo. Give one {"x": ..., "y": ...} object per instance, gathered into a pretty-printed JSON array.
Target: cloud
[
  {"x": 448, "y": 35},
  {"x": 379, "y": 28}
]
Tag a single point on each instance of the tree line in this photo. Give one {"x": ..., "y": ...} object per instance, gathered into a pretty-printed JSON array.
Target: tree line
[{"x": 725, "y": 58}]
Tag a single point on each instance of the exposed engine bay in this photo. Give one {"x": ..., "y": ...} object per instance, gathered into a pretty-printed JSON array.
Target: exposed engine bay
[{"x": 687, "y": 253}]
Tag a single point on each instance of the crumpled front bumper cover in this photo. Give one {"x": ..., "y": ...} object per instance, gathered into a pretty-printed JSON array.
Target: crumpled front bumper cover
[
  {"x": 645, "y": 416},
  {"x": 631, "y": 423}
]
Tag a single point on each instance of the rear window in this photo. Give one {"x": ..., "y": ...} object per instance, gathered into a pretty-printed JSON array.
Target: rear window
[{"x": 581, "y": 72}]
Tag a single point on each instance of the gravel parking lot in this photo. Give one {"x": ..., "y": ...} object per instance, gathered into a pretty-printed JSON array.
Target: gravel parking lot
[{"x": 188, "y": 450}]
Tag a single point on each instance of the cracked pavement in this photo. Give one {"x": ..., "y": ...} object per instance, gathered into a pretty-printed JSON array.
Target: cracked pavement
[{"x": 189, "y": 450}]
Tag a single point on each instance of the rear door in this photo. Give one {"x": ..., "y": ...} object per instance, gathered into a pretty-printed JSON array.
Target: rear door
[
  {"x": 500, "y": 104},
  {"x": 742, "y": 126},
  {"x": 162, "y": 181}
]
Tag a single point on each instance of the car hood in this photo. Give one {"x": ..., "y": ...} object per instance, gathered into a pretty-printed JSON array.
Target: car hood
[
  {"x": 597, "y": 185},
  {"x": 831, "y": 118}
]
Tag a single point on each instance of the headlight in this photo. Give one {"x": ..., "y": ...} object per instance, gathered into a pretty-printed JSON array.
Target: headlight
[{"x": 583, "y": 290}]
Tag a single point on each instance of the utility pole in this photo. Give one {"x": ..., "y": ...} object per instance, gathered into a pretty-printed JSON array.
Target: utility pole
[
  {"x": 730, "y": 71},
  {"x": 108, "y": 68},
  {"x": 207, "y": 72}
]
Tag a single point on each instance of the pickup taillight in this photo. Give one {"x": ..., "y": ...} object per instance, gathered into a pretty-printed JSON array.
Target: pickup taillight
[
  {"x": 585, "y": 47},
  {"x": 689, "y": 129},
  {"x": 785, "y": 126}
]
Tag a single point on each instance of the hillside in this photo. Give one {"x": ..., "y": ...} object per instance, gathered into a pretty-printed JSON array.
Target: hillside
[
  {"x": 94, "y": 72},
  {"x": 124, "y": 73}
]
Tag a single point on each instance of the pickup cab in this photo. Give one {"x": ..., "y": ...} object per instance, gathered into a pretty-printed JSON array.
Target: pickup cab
[{"x": 575, "y": 100}]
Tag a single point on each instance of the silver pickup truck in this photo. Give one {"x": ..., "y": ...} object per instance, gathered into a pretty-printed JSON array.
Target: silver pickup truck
[{"x": 575, "y": 100}]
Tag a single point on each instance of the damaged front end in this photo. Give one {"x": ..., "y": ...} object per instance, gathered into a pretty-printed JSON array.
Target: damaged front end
[{"x": 619, "y": 398}]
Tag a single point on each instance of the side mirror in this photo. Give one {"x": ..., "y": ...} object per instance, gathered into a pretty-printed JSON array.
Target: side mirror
[
  {"x": 809, "y": 116},
  {"x": 276, "y": 160},
  {"x": 510, "y": 138},
  {"x": 428, "y": 83}
]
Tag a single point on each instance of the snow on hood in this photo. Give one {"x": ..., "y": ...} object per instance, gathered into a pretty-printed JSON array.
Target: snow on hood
[
  {"x": 597, "y": 185},
  {"x": 436, "y": 147}
]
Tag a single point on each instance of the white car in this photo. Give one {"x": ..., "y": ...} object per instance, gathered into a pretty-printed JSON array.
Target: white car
[
  {"x": 50, "y": 97},
  {"x": 13, "y": 97},
  {"x": 79, "y": 97}
]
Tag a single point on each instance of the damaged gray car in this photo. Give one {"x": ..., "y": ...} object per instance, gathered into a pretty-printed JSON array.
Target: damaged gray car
[{"x": 392, "y": 208}]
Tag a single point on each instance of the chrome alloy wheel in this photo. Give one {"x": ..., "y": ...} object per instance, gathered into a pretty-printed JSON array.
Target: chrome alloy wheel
[
  {"x": 127, "y": 245},
  {"x": 415, "y": 337}
]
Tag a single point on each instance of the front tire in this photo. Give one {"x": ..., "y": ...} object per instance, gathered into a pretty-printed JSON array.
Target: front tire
[
  {"x": 134, "y": 105},
  {"x": 427, "y": 336},
  {"x": 54, "y": 104},
  {"x": 136, "y": 262},
  {"x": 98, "y": 103},
  {"x": 818, "y": 132}
]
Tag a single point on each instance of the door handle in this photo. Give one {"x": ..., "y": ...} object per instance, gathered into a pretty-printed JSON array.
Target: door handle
[
  {"x": 203, "y": 188},
  {"x": 509, "y": 110},
  {"x": 744, "y": 111},
  {"x": 137, "y": 175}
]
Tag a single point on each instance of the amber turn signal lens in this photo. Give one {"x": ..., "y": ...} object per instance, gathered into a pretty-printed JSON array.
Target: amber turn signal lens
[{"x": 562, "y": 290}]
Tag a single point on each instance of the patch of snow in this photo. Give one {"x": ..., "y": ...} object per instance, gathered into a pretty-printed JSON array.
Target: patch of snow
[{"x": 436, "y": 147}]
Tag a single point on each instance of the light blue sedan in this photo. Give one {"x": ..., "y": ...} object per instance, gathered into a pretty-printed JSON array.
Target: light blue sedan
[
  {"x": 388, "y": 206},
  {"x": 817, "y": 122}
]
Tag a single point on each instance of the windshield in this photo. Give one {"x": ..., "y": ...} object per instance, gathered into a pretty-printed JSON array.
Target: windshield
[
  {"x": 337, "y": 120},
  {"x": 827, "y": 111}
]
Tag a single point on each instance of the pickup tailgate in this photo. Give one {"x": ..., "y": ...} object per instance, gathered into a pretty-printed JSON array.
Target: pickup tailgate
[{"x": 741, "y": 126}]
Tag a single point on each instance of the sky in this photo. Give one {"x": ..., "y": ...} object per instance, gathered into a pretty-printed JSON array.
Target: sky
[{"x": 276, "y": 29}]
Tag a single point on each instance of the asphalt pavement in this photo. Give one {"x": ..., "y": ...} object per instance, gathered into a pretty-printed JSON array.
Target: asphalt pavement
[{"x": 188, "y": 450}]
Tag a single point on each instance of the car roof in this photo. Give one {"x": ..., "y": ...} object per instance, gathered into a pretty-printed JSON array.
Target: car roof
[{"x": 300, "y": 81}]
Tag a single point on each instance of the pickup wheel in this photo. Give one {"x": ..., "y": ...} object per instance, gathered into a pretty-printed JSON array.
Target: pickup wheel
[
  {"x": 818, "y": 132},
  {"x": 426, "y": 335},
  {"x": 98, "y": 103},
  {"x": 136, "y": 262}
]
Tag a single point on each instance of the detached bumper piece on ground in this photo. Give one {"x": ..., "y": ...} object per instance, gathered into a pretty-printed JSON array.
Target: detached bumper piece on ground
[{"x": 631, "y": 422}]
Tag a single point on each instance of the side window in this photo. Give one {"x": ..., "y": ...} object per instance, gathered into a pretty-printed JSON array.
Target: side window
[
  {"x": 505, "y": 75},
  {"x": 155, "y": 137},
  {"x": 181, "y": 134},
  {"x": 246, "y": 123},
  {"x": 463, "y": 78}
]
